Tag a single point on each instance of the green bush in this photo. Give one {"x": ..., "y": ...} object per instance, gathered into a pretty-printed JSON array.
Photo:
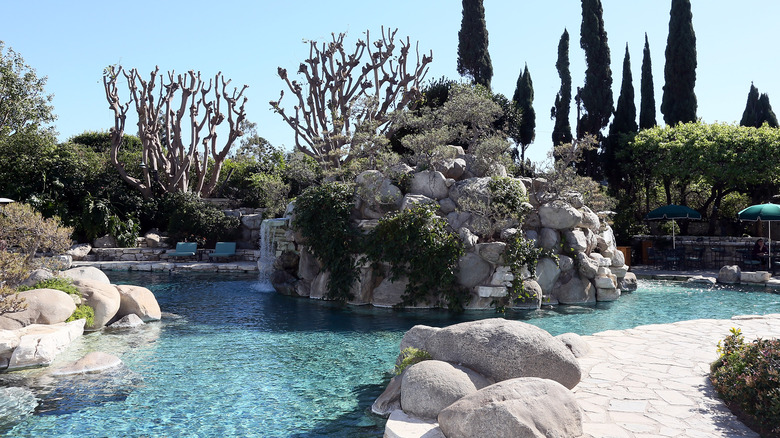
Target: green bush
[
  {"x": 411, "y": 356},
  {"x": 83, "y": 311},
  {"x": 322, "y": 214},
  {"x": 417, "y": 245},
  {"x": 747, "y": 377},
  {"x": 520, "y": 253},
  {"x": 268, "y": 191},
  {"x": 191, "y": 220},
  {"x": 58, "y": 283}
]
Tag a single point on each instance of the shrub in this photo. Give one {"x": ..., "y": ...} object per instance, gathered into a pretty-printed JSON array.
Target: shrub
[
  {"x": 520, "y": 254},
  {"x": 190, "y": 220},
  {"x": 417, "y": 245},
  {"x": 322, "y": 214},
  {"x": 268, "y": 191},
  {"x": 58, "y": 283},
  {"x": 411, "y": 356},
  {"x": 83, "y": 311},
  {"x": 747, "y": 377}
]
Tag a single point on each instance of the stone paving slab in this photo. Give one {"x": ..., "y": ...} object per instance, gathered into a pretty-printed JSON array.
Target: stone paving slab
[{"x": 652, "y": 380}]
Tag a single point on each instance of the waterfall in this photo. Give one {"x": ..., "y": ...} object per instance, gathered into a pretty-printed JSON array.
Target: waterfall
[{"x": 268, "y": 249}]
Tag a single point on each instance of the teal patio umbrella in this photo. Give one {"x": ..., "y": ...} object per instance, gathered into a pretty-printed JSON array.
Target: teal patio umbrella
[
  {"x": 762, "y": 212},
  {"x": 672, "y": 212}
]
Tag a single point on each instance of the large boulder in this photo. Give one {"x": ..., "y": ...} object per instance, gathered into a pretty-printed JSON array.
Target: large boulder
[
  {"x": 308, "y": 265},
  {"x": 106, "y": 241},
  {"x": 628, "y": 283},
  {"x": 516, "y": 408},
  {"x": 79, "y": 251},
  {"x": 473, "y": 270},
  {"x": 547, "y": 273},
  {"x": 103, "y": 298},
  {"x": 86, "y": 273},
  {"x": 729, "y": 274},
  {"x": 44, "y": 306},
  {"x": 559, "y": 215},
  {"x": 137, "y": 300},
  {"x": 471, "y": 191},
  {"x": 575, "y": 241},
  {"x": 93, "y": 362},
  {"x": 388, "y": 293},
  {"x": 575, "y": 343},
  {"x": 377, "y": 194},
  {"x": 389, "y": 400},
  {"x": 451, "y": 167},
  {"x": 501, "y": 349},
  {"x": 590, "y": 220},
  {"x": 40, "y": 344},
  {"x": 572, "y": 288},
  {"x": 432, "y": 184},
  {"x": 549, "y": 239},
  {"x": 429, "y": 386},
  {"x": 416, "y": 337},
  {"x": 36, "y": 276}
]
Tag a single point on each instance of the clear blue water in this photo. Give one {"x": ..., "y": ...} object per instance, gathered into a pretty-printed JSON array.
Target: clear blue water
[{"x": 241, "y": 361}]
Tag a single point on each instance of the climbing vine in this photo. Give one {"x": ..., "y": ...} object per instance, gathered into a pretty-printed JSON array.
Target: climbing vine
[
  {"x": 521, "y": 253},
  {"x": 416, "y": 244},
  {"x": 322, "y": 215}
]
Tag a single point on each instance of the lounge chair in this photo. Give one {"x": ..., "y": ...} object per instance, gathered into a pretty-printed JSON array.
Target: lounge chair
[
  {"x": 223, "y": 250},
  {"x": 184, "y": 249}
]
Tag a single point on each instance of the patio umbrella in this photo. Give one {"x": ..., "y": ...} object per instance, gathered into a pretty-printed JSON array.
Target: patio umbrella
[
  {"x": 762, "y": 212},
  {"x": 672, "y": 212}
]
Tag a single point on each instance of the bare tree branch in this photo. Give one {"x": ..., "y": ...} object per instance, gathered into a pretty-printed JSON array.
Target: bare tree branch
[
  {"x": 342, "y": 94},
  {"x": 175, "y": 158}
]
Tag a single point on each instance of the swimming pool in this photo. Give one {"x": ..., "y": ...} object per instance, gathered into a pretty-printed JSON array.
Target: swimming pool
[{"x": 240, "y": 360}]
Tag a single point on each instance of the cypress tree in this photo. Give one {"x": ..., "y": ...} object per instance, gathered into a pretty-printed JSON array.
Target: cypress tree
[
  {"x": 679, "y": 100},
  {"x": 523, "y": 100},
  {"x": 647, "y": 91},
  {"x": 473, "y": 56},
  {"x": 560, "y": 111},
  {"x": 750, "y": 116},
  {"x": 596, "y": 94},
  {"x": 758, "y": 110},
  {"x": 624, "y": 123},
  {"x": 765, "y": 112}
]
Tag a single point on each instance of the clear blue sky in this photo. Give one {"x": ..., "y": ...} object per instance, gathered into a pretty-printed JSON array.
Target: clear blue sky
[{"x": 71, "y": 43}]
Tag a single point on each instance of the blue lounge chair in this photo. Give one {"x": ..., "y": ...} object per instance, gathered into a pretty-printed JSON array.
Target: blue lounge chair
[
  {"x": 223, "y": 250},
  {"x": 184, "y": 249}
]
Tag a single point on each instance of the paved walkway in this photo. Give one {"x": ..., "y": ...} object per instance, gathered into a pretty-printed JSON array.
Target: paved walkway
[{"x": 651, "y": 381}]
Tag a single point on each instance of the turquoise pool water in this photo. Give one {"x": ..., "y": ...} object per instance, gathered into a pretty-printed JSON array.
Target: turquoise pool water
[{"x": 239, "y": 360}]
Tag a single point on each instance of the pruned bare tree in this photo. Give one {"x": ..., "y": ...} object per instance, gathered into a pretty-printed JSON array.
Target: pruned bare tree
[
  {"x": 344, "y": 102},
  {"x": 177, "y": 125}
]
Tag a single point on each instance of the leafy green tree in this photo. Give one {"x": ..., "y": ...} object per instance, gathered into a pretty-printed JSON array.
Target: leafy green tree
[
  {"x": 623, "y": 126},
  {"x": 24, "y": 103},
  {"x": 596, "y": 94},
  {"x": 647, "y": 91},
  {"x": 524, "y": 102},
  {"x": 678, "y": 104},
  {"x": 560, "y": 111},
  {"x": 473, "y": 56},
  {"x": 758, "y": 110}
]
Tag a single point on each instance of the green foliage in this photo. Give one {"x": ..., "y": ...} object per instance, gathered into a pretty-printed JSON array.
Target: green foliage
[
  {"x": 508, "y": 198},
  {"x": 524, "y": 100},
  {"x": 270, "y": 192},
  {"x": 10, "y": 301},
  {"x": 98, "y": 218},
  {"x": 678, "y": 103},
  {"x": 409, "y": 357},
  {"x": 417, "y": 245},
  {"x": 747, "y": 377},
  {"x": 83, "y": 311},
  {"x": 27, "y": 231},
  {"x": 647, "y": 91},
  {"x": 521, "y": 255},
  {"x": 322, "y": 214},
  {"x": 58, "y": 283},
  {"x": 666, "y": 227},
  {"x": 473, "y": 56},
  {"x": 623, "y": 127},
  {"x": 188, "y": 219},
  {"x": 758, "y": 110},
  {"x": 100, "y": 141},
  {"x": 560, "y": 111},
  {"x": 24, "y": 105},
  {"x": 596, "y": 94}
]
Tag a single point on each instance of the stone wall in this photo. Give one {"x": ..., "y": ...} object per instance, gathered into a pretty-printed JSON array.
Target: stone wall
[{"x": 155, "y": 255}]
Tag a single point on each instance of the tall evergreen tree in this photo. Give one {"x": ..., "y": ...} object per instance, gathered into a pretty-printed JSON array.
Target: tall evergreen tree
[
  {"x": 523, "y": 100},
  {"x": 679, "y": 100},
  {"x": 473, "y": 56},
  {"x": 758, "y": 110},
  {"x": 647, "y": 91},
  {"x": 560, "y": 111},
  {"x": 623, "y": 125},
  {"x": 596, "y": 94}
]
